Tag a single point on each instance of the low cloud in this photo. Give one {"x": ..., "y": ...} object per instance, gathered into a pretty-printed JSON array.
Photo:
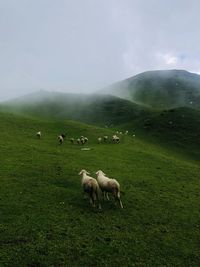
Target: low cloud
[{"x": 81, "y": 46}]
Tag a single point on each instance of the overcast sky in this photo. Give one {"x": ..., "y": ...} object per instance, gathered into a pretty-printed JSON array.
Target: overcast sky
[{"x": 83, "y": 45}]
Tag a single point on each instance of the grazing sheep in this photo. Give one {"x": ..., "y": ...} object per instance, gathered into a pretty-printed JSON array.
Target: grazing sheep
[
  {"x": 78, "y": 140},
  {"x": 91, "y": 187},
  {"x": 115, "y": 139},
  {"x": 85, "y": 139},
  {"x": 72, "y": 140},
  {"x": 60, "y": 139},
  {"x": 39, "y": 134},
  {"x": 63, "y": 135},
  {"x": 82, "y": 141},
  {"x": 105, "y": 138},
  {"x": 108, "y": 185},
  {"x": 126, "y": 133},
  {"x": 99, "y": 140}
]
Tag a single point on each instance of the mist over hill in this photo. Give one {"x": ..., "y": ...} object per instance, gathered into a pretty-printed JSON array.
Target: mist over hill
[
  {"x": 177, "y": 127},
  {"x": 91, "y": 108},
  {"x": 160, "y": 89}
]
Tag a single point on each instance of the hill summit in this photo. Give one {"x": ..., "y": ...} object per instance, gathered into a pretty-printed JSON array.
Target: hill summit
[{"x": 162, "y": 89}]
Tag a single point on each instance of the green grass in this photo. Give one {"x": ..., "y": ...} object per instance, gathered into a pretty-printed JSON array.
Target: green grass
[
  {"x": 176, "y": 129},
  {"x": 45, "y": 221}
]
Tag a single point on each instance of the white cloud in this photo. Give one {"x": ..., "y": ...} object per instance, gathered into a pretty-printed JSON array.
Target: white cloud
[
  {"x": 89, "y": 44},
  {"x": 171, "y": 60}
]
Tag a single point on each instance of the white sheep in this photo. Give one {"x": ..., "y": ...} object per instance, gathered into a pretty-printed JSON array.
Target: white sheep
[
  {"x": 85, "y": 140},
  {"x": 126, "y": 132},
  {"x": 60, "y": 139},
  {"x": 82, "y": 140},
  {"x": 90, "y": 187},
  {"x": 105, "y": 138},
  {"x": 115, "y": 139},
  {"x": 78, "y": 140},
  {"x": 39, "y": 134},
  {"x": 72, "y": 140},
  {"x": 99, "y": 140},
  {"x": 108, "y": 185}
]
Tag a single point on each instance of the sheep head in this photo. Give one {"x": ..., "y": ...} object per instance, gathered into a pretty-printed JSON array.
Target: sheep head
[
  {"x": 99, "y": 172},
  {"x": 83, "y": 171}
]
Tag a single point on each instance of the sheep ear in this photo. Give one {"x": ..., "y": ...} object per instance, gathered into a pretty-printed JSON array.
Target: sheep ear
[
  {"x": 80, "y": 173},
  {"x": 87, "y": 172},
  {"x": 103, "y": 173}
]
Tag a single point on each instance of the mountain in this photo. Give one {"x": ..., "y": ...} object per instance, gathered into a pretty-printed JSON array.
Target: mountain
[{"x": 161, "y": 89}]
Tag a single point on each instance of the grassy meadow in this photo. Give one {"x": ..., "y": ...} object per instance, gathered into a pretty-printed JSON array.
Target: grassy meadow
[{"x": 45, "y": 221}]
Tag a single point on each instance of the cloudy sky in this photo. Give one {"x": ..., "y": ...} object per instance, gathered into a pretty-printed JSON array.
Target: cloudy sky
[{"x": 83, "y": 45}]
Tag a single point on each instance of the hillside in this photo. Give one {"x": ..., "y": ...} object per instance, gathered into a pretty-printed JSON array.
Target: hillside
[
  {"x": 162, "y": 89},
  {"x": 178, "y": 128},
  {"x": 45, "y": 221},
  {"x": 97, "y": 109}
]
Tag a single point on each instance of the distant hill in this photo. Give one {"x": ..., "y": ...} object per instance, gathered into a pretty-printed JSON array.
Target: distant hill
[
  {"x": 93, "y": 109},
  {"x": 162, "y": 89}
]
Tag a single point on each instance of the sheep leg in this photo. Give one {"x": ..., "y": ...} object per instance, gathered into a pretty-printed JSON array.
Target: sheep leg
[
  {"x": 117, "y": 198},
  {"x": 92, "y": 200},
  {"x": 98, "y": 200},
  {"x": 107, "y": 196},
  {"x": 119, "y": 201}
]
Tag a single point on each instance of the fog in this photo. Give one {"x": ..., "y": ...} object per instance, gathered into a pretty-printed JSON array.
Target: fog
[{"x": 81, "y": 46}]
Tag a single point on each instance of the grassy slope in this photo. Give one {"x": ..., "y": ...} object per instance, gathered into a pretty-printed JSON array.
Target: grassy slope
[
  {"x": 160, "y": 89},
  {"x": 175, "y": 128},
  {"x": 45, "y": 221}
]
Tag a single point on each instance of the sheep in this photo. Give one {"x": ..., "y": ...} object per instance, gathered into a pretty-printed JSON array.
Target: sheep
[
  {"x": 126, "y": 132},
  {"x": 91, "y": 187},
  {"x": 60, "y": 139},
  {"x": 72, "y": 140},
  {"x": 85, "y": 139},
  {"x": 38, "y": 134},
  {"x": 78, "y": 140},
  {"x": 99, "y": 140},
  {"x": 63, "y": 135},
  {"x": 115, "y": 139},
  {"x": 108, "y": 185},
  {"x": 82, "y": 140},
  {"x": 105, "y": 138}
]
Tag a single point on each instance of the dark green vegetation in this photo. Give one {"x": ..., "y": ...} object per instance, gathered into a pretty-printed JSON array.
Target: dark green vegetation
[
  {"x": 160, "y": 89},
  {"x": 45, "y": 221}
]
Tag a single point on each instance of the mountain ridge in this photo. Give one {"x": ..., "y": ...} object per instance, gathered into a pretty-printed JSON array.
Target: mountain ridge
[{"x": 160, "y": 89}]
